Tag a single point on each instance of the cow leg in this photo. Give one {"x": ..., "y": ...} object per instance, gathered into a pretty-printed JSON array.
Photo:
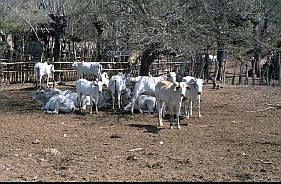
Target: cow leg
[
  {"x": 56, "y": 111},
  {"x": 139, "y": 107},
  {"x": 186, "y": 109},
  {"x": 40, "y": 79},
  {"x": 96, "y": 103},
  {"x": 171, "y": 119},
  {"x": 91, "y": 105},
  {"x": 190, "y": 109},
  {"x": 164, "y": 110},
  {"x": 160, "y": 110},
  {"x": 80, "y": 101},
  {"x": 178, "y": 117},
  {"x": 199, "y": 109},
  {"x": 119, "y": 100},
  {"x": 133, "y": 104},
  {"x": 113, "y": 100}
]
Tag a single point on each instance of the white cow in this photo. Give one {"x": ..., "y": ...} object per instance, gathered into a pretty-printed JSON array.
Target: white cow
[
  {"x": 116, "y": 84},
  {"x": 85, "y": 100},
  {"x": 105, "y": 79},
  {"x": 194, "y": 94},
  {"x": 43, "y": 96},
  {"x": 43, "y": 69},
  {"x": 170, "y": 93},
  {"x": 88, "y": 68},
  {"x": 92, "y": 89},
  {"x": 146, "y": 86},
  {"x": 144, "y": 103},
  {"x": 59, "y": 103}
]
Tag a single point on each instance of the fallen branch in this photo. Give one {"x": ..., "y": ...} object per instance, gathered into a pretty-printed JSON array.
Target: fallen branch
[
  {"x": 259, "y": 110},
  {"x": 265, "y": 109},
  {"x": 267, "y": 163},
  {"x": 137, "y": 149},
  {"x": 206, "y": 126}
]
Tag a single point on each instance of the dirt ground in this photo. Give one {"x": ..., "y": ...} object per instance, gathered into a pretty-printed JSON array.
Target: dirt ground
[{"x": 238, "y": 139}]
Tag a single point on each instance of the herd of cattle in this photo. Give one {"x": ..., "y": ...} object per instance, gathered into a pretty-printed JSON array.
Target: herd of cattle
[{"x": 149, "y": 94}]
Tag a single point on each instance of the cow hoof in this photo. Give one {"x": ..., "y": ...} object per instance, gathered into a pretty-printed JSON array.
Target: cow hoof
[
  {"x": 171, "y": 128},
  {"x": 179, "y": 128}
]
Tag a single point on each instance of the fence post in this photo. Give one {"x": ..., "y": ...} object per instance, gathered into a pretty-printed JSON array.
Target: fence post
[{"x": 1, "y": 74}]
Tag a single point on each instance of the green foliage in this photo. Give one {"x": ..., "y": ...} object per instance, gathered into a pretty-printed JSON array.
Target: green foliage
[{"x": 184, "y": 25}]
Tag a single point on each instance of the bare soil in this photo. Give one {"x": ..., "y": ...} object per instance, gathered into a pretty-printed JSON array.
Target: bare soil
[{"x": 238, "y": 139}]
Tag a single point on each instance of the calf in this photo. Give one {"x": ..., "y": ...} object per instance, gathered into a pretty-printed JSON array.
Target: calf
[
  {"x": 105, "y": 79},
  {"x": 88, "y": 68},
  {"x": 85, "y": 100},
  {"x": 146, "y": 85},
  {"x": 43, "y": 96},
  {"x": 92, "y": 89},
  {"x": 43, "y": 69},
  {"x": 171, "y": 94},
  {"x": 144, "y": 103},
  {"x": 116, "y": 84},
  {"x": 59, "y": 103},
  {"x": 194, "y": 94}
]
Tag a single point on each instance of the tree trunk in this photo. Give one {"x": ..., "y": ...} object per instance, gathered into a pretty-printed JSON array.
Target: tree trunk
[
  {"x": 223, "y": 72},
  {"x": 202, "y": 66},
  {"x": 206, "y": 67},
  {"x": 253, "y": 71},
  {"x": 234, "y": 73},
  {"x": 257, "y": 49},
  {"x": 220, "y": 58},
  {"x": 146, "y": 60},
  {"x": 241, "y": 71},
  {"x": 246, "y": 77},
  {"x": 57, "y": 56}
]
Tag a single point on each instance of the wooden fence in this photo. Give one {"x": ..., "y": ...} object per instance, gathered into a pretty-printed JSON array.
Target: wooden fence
[{"x": 12, "y": 72}]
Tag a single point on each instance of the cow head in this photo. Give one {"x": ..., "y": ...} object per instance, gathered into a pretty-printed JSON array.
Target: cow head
[
  {"x": 37, "y": 95},
  {"x": 128, "y": 78},
  {"x": 172, "y": 76},
  {"x": 197, "y": 84},
  {"x": 181, "y": 88},
  {"x": 105, "y": 79}
]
